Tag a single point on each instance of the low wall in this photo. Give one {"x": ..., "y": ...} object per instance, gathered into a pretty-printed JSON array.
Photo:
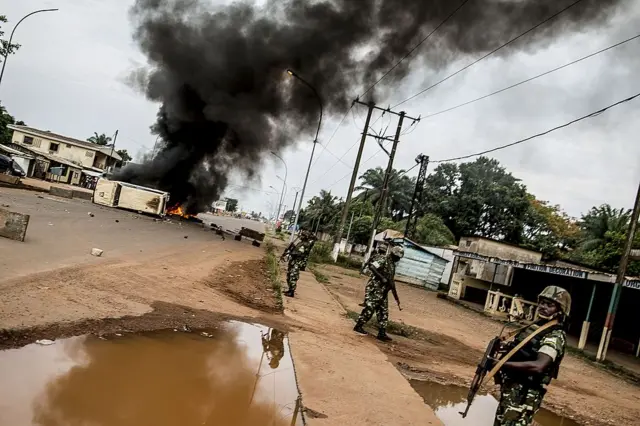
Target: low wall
[{"x": 13, "y": 225}]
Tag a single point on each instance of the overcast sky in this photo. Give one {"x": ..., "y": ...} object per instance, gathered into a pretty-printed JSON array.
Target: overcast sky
[{"x": 69, "y": 77}]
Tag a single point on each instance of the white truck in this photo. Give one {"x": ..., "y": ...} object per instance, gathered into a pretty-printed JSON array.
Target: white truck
[{"x": 131, "y": 197}]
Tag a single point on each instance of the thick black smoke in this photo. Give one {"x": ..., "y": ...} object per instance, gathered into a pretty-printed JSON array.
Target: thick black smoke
[{"x": 226, "y": 100}]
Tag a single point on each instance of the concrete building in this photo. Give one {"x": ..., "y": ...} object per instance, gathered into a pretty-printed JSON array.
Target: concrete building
[
  {"x": 504, "y": 281},
  {"x": 61, "y": 158}
]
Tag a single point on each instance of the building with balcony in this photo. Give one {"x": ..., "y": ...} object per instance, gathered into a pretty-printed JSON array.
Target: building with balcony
[{"x": 61, "y": 158}]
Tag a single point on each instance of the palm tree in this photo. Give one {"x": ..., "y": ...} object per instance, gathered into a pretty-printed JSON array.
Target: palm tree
[
  {"x": 399, "y": 195},
  {"x": 99, "y": 139},
  {"x": 600, "y": 221},
  {"x": 322, "y": 210}
]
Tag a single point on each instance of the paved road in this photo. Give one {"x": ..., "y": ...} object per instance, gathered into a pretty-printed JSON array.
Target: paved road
[{"x": 231, "y": 223}]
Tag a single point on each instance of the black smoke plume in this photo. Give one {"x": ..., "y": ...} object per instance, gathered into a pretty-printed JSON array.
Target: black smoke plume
[{"x": 226, "y": 100}]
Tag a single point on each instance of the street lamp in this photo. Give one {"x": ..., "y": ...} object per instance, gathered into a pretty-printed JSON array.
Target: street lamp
[
  {"x": 6, "y": 55},
  {"x": 313, "y": 150},
  {"x": 282, "y": 195},
  {"x": 284, "y": 182}
]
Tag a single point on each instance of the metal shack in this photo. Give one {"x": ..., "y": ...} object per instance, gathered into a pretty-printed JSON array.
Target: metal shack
[
  {"x": 131, "y": 197},
  {"x": 419, "y": 266}
]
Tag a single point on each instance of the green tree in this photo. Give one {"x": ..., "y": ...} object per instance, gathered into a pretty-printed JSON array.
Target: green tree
[
  {"x": 478, "y": 198},
  {"x": 398, "y": 197},
  {"x": 124, "y": 154},
  {"x": 6, "y": 49},
  {"x": 99, "y": 139},
  {"x": 602, "y": 239},
  {"x": 431, "y": 230},
  {"x": 361, "y": 230},
  {"x": 288, "y": 215},
  {"x": 321, "y": 212},
  {"x": 549, "y": 229},
  {"x": 232, "y": 204}
]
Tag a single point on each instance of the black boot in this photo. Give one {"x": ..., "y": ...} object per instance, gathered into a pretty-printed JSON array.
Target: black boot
[
  {"x": 382, "y": 336},
  {"x": 358, "y": 328},
  {"x": 289, "y": 293}
]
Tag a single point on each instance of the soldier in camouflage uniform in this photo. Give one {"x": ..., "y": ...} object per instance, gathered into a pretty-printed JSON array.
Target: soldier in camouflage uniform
[
  {"x": 297, "y": 252},
  {"x": 273, "y": 347},
  {"x": 312, "y": 241},
  {"x": 383, "y": 269},
  {"x": 524, "y": 378}
]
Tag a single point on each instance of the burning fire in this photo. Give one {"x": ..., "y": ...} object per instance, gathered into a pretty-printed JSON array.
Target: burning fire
[{"x": 177, "y": 210}]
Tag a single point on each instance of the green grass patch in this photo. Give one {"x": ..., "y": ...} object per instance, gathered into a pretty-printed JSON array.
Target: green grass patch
[
  {"x": 349, "y": 262},
  {"x": 321, "y": 253},
  {"x": 320, "y": 277},
  {"x": 273, "y": 268}
]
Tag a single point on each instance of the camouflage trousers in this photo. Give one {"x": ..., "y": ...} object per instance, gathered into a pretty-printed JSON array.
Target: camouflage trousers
[
  {"x": 518, "y": 404},
  {"x": 375, "y": 301},
  {"x": 293, "y": 273}
]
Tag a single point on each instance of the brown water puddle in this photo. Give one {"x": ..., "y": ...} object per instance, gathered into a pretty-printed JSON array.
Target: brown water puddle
[
  {"x": 239, "y": 376},
  {"x": 449, "y": 400}
]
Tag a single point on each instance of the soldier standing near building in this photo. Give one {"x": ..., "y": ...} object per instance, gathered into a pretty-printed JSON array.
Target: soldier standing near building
[
  {"x": 383, "y": 270},
  {"x": 523, "y": 379},
  {"x": 296, "y": 252}
]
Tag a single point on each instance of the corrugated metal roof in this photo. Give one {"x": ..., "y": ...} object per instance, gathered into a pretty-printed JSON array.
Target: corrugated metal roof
[{"x": 419, "y": 266}]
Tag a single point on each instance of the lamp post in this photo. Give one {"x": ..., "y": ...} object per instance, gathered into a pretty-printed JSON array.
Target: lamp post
[
  {"x": 6, "y": 55},
  {"x": 284, "y": 182},
  {"x": 313, "y": 150},
  {"x": 282, "y": 194}
]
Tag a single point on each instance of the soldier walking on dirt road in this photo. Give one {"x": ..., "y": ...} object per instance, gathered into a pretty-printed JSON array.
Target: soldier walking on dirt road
[
  {"x": 297, "y": 253},
  {"x": 383, "y": 270},
  {"x": 524, "y": 378}
]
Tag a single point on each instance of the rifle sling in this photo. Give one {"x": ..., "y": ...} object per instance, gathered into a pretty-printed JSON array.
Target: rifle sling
[{"x": 519, "y": 346}]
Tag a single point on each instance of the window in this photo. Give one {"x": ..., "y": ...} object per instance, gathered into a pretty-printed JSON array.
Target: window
[
  {"x": 28, "y": 140},
  {"x": 53, "y": 147}
]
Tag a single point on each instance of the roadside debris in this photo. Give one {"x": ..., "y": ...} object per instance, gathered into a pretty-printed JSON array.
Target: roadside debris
[
  {"x": 6, "y": 205},
  {"x": 186, "y": 236},
  {"x": 45, "y": 342},
  {"x": 117, "y": 221},
  {"x": 96, "y": 252},
  {"x": 91, "y": 214}
]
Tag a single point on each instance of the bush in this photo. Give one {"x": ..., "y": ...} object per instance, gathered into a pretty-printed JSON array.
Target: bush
[
  {"x": 321, "y": 253},
  {"x": 349, "y": 262}
]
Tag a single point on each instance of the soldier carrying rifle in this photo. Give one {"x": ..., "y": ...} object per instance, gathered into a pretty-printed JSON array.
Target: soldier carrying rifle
[
  {"x": 298, "y": 255},
  {"x": 383, "y": 270},
  {"x": 524, "y": 363}
]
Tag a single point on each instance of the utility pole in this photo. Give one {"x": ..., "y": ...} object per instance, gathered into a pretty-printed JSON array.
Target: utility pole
[
  {"x": 385, "y": 186},
  {"x": 617, "y": 289},
  {"x": 350, "y": 225},
  {"x": 115, "y": 137},
  {"x": 412, "y": 220},
  {"x": 352, "y": 184}
]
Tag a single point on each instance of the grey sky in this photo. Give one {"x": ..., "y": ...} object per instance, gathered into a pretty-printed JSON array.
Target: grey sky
[{"x": 69, "y": 77}]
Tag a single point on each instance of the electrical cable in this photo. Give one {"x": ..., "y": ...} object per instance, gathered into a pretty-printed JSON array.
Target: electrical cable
[
  {"x": 488, "y": 54},
  {"x": 584, "y": 117},
  {"x": 416, "y": 47},
  {"x": 532, "y": 78}
]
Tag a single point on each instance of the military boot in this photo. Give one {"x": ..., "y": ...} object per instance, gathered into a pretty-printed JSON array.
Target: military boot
[
  {"x": 359, "y": 328},
  {"x": 289, "y": 293},
  {"x": 382, "y": 336}
]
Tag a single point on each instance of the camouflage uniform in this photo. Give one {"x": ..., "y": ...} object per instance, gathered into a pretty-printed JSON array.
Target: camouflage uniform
[
  {"x": 296, "y": 260},
  {"x": 521, "y": 395},
  {"x": 375, "y": 297},
  {"x": 306, "y": 257}
]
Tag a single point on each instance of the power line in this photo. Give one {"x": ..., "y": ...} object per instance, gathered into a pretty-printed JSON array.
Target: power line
[
  {"x": 416, "y": 47},
  {"x": 324, "y": 147},
  {"x": 584, "y": 117},
  {"x": 489, "y": 54},
  {"x": 532, "y": 78}
]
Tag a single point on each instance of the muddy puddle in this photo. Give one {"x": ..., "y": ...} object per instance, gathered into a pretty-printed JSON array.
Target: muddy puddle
[
  {"x": 240, "y": 375},
  {"x": 448, "y": 400}
]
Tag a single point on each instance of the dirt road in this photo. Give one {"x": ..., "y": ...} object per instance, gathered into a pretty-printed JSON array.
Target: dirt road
[
  {"x": 151, "y": 277},
  {"x": 449, "y": 341}
]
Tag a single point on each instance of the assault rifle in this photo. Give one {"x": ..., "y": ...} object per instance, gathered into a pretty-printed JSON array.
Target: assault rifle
[{"x": 484, "y": 366}]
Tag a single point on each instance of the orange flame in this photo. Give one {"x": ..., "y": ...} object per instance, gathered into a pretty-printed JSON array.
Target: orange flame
[{"x": 177, "y": 210}]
